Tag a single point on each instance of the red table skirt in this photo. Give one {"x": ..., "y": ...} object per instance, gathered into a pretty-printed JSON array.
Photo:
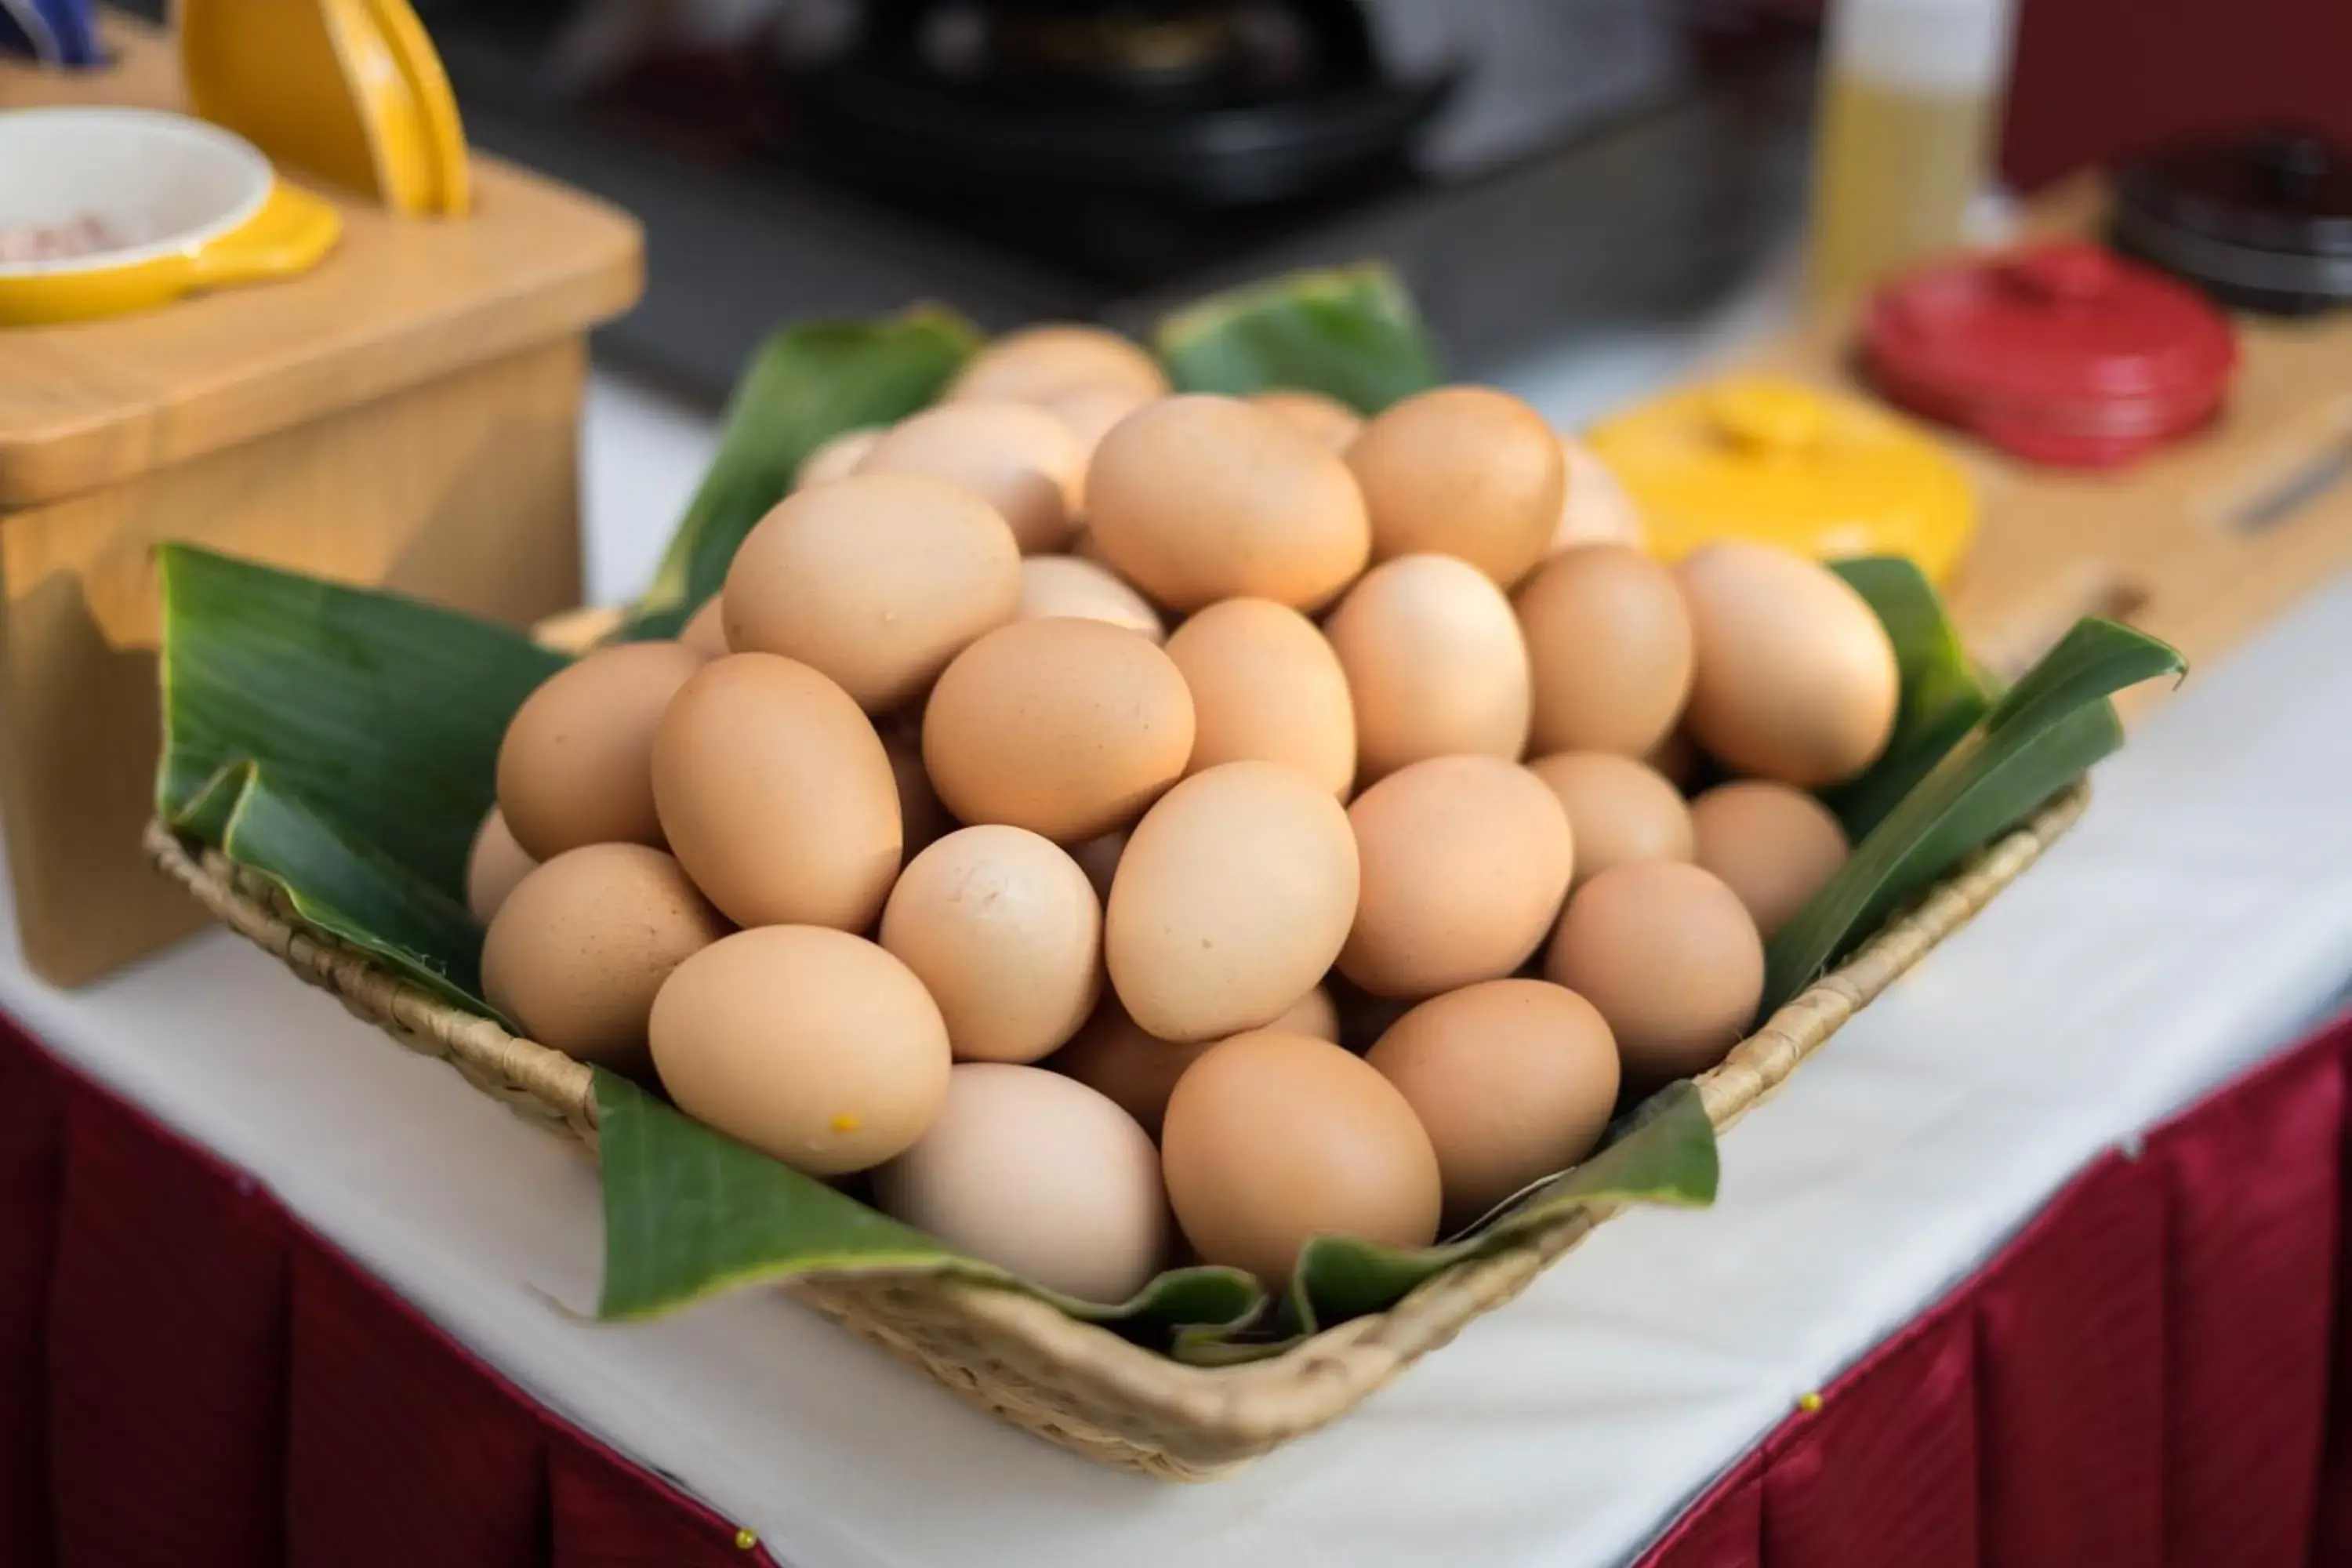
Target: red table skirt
[
  {"x": 2149, "y": 1375},
  {"x": 2152, "y": 1372}
]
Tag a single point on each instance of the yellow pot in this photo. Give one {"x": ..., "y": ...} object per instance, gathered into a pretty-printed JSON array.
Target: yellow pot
[
  {"x": 188, "y": 207},
  {"x": 1779, "y": 462}
]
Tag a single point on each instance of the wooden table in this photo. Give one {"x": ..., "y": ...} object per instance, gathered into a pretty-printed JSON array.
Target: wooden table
[{"x": 404, "y": 415}]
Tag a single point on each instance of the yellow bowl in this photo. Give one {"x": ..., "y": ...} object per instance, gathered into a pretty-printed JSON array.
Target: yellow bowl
[{"x": 183, "y": 205}]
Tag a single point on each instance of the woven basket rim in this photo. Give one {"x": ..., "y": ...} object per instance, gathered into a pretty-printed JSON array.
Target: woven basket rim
[{"x": 1253, "y": 1404}]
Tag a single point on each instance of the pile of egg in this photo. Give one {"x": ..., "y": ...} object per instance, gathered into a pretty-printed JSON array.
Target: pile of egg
[{"x": 1064, "y": 773}]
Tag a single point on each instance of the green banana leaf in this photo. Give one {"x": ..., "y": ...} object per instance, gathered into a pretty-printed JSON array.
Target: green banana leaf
[
  {"x": 1351, "y": 332},
  {"x": 342, "y": 741},
  {"x": 1942, "y": 695},
  {"x": 806, "y": 385},
  {"x": 2044, "y": 732},
  {"x": 690, "y": 1213}
]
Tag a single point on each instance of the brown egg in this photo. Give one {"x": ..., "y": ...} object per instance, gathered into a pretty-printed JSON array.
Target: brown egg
[
  {"x": 777, "y": 796},
  {"x": 1068, "y": 728},
  {"x": 1773, "y": 846},
  {"x": 1266, "y": 686},
  {"x": 573, "y": 768},
  {"x": 1041, "y": 1176},
  {"x": 875, "y": 580},
  {"x": 1621, "y": 810},
  {"x": 1796, "y": 679},
  {"x": 1608, "y": 643},
  {"x": 494, "y": 864},
  {"x": 836, "y": 459},
  {"x": 808, "y": 1044},
  {"x": 1197, "y": 499},
  {"x": 704, "y": 631},
  {"x": 1060, "y": 587},
  {"x": 1596, "y": 509},
  {"x": 1436, "y": 663},
  {"x": 1466, "y": 471},
  {"x": 1022, "y": 461},
  {"x": 922, "y": 820},
  {"x": 1005, "y": 932},
  {"x": 1669, "y": 956},
  {"x": 1039, "y": 363},
  {"x": 1273, "y": 1139},
  {"x": 1112, "y": 1056},
  {"x": 1512, "y": 1079},
  {"x": 1232, "y": 898},
  {"x": 1093, "y": 410},
  {"x": 1465, "y": 861},
  {"x": 580, "y": 946},
  {"x": 1314, "y": 1014},
  {"x": 1327, "y": 419}
]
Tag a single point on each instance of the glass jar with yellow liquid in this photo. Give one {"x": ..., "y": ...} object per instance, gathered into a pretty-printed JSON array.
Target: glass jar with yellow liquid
[{"x": 1910, "y": 101}]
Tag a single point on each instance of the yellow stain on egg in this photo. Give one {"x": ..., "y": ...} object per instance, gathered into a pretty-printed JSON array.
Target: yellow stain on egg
[{"x": 846, "y": 1122}]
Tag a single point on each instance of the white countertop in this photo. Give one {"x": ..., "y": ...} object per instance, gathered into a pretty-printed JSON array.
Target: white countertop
[{"x": 2199, "y": 916}]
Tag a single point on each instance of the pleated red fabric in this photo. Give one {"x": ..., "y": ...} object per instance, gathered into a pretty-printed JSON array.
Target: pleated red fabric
[
  {"x": 2153, "y": 1373},
  {"x": 2070, "y": 1379},
  {"x": 188, "y": 1376},
  {"x": 167, "y": 1304},
  {"x": 32, "y": 1157}
]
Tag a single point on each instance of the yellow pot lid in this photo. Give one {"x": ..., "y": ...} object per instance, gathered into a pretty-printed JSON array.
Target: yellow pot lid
[{"x": 1776, "y": 461}]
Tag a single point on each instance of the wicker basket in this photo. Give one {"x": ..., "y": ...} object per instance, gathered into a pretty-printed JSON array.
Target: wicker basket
[{"x": 1070, "y": 1383}]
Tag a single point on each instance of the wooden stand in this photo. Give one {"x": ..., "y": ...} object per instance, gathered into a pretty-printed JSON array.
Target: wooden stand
[
  {"x": 2201, "y": 543},
  {"x": 407, "y": 416}
]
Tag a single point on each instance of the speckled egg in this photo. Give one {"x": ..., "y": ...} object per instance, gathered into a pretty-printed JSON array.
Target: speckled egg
[
  {"x": 1669, "y": 956},
  {"x": 1266, "y": 686},
  {"x": 494, "y": 864},
  {"x": 1609, "y": 645},
  {"x": 1040, "y": 1175},
  {"x": 578, "y": 950},
  {"x": 1273, "y": 1139},
  {"x": 1062, "y": 587},
  {"x": 1069, "y": 727},
  {"x": 1465, "y": 861},
  {"x": 1039, "y": 363},
  {"x": 1773, "y": 846},
  {"x": 1005, "y": 931},
  {"x": 1621, "y": 811},
  {"x": 1513, "y": 1081},
  {"x": 836, "y": 459},
  {"x": 574, "y": 766},
  {"x": 1023, "y": 461},
  {"x": 810, "y": 1045},
  {"x": 1796, "y": 679},
  {"x": 1199, "y": 498},
  {"x": 876, "y": 581},
  {"x": 1435, "y": 662},
  {"x": 1233, "y": 897},
  {"x": 1327, "y": 419},
  {"x": 777, "y": 796},
  {"x": 1466, "y": 471}
]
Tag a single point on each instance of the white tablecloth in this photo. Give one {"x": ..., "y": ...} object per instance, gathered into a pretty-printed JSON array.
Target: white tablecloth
[{"x": 2199, "y": 916}]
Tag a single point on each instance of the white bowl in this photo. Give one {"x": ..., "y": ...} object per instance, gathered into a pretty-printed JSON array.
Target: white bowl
[{"x": 165, "y": 182}]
